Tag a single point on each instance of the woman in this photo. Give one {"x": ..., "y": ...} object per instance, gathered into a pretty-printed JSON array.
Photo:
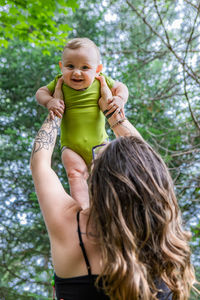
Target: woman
[{"x": 132, "y": 245}]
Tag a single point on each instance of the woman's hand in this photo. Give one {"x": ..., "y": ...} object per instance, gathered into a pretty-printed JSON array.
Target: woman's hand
[
  {"x": 106, "y": 95},
  {"x": 109, "y": 102}
]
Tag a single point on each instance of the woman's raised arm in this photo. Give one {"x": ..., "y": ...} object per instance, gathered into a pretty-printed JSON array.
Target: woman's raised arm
[
  {"x": 52, "y": 197},
  {"x": 118, "y": 122}
]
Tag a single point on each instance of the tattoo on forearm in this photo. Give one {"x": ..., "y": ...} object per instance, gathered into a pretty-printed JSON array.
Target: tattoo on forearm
[{"x": 47, "y": 135}]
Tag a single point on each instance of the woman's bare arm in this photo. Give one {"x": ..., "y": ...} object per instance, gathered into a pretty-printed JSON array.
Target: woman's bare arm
[
  {"x": 53, "y": 199},
  {"x": 122, "y": 127},
  {"x": 118, "y": 122}
]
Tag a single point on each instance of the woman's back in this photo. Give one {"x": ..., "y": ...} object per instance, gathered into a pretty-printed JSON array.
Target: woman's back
[
  {"x": 83, "y": 260},
  {"x": 76, "y": 277},
  {"x": 67, "y": 255}
]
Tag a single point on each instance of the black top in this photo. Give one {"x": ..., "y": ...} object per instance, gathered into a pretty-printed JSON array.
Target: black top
[{"x": 83, "y": 287}]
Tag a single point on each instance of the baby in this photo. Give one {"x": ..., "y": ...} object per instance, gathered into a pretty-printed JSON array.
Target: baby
[{"x": 83, "y": 123}]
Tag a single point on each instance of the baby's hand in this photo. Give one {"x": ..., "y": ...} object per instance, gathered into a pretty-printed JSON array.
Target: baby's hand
[{"x": 56, "y": 107}]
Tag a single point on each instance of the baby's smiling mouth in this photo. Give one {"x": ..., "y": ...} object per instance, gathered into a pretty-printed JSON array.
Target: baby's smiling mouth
[{"x": 77, "y": 80}]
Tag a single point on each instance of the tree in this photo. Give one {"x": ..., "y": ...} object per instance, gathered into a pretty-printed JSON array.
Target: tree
[
  {"x": 37, "y": 22},
  {"x": 26, "y": 269},
  {"x": 163, "y": 105},
  {"x": 176, "y": 40}
]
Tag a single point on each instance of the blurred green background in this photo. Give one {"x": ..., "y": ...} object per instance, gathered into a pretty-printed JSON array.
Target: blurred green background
[{"x": 151, "y": 46}]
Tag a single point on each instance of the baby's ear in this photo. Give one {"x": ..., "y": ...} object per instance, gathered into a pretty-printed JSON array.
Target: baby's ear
[
  {"x": 99, "y": 68},
  {"x": 60, "y": 64}
]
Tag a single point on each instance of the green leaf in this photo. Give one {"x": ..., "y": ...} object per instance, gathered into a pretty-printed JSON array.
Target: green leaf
[{"x": 34, "y": 22}]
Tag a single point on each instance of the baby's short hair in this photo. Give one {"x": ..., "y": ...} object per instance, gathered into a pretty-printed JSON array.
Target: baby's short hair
[{"x": 77, "y": 43}]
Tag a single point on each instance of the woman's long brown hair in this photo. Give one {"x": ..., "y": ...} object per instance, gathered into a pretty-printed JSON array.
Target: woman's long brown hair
[{"x": 137, "y": 219}]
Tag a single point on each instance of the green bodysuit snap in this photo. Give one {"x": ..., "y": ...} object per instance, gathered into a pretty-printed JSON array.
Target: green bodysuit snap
[{"x": 83, "y": 123}]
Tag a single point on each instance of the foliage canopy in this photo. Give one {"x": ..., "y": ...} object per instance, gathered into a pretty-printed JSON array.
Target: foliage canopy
[
  {"x": 145, "y": 44},
  {"x": 43, "y": 23}
]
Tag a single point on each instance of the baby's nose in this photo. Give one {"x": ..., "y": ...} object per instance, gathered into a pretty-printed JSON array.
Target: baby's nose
[{"x": 77, "y": 71}]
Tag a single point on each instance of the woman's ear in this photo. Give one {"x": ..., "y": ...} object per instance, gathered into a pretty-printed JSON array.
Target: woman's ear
[
  {"x": 99, "y": 68},
  {"x": 60, "y": 64}
]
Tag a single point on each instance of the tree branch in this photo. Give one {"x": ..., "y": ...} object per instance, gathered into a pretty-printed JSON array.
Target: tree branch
[
  {"x": 186, "y": 152},
  {"x": 185, "y": 66},
  {"x": 193, "y": 5},
  {"x": 191, "y": 34},
  {"x": 189, "y": 104},
  {"x": 161, "y": 21}
]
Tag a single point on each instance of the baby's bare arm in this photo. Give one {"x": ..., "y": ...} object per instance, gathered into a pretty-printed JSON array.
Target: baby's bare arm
[
  {"x": 118, "y": 122},
  {"x": 120, "y": 90},
  {"x": 118, "y": 96},
  {"x": 43, "y": 96},
  {"x": 55, "y": 103}
]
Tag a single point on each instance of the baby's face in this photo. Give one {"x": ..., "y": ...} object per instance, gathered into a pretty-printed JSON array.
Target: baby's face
[{"x": 79, "y": 67}]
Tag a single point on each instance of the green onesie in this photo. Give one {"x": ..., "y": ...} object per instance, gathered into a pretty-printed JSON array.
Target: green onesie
[{"x": 83, "y": 123}]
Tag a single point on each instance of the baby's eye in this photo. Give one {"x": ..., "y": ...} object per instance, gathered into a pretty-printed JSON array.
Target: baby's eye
[
  {"x": 70, "y": 66},
  {"x": 85, "y": 67}
]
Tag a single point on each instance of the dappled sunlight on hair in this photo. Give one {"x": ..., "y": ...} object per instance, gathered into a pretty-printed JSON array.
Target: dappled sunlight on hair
[{"x": 135, "y": 210}]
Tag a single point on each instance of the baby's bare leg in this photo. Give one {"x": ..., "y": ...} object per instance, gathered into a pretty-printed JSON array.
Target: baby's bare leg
[{"x": 77, "y": 173}]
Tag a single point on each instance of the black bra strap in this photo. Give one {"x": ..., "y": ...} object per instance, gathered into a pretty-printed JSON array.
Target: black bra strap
[{"x": 82, "y": 246}]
